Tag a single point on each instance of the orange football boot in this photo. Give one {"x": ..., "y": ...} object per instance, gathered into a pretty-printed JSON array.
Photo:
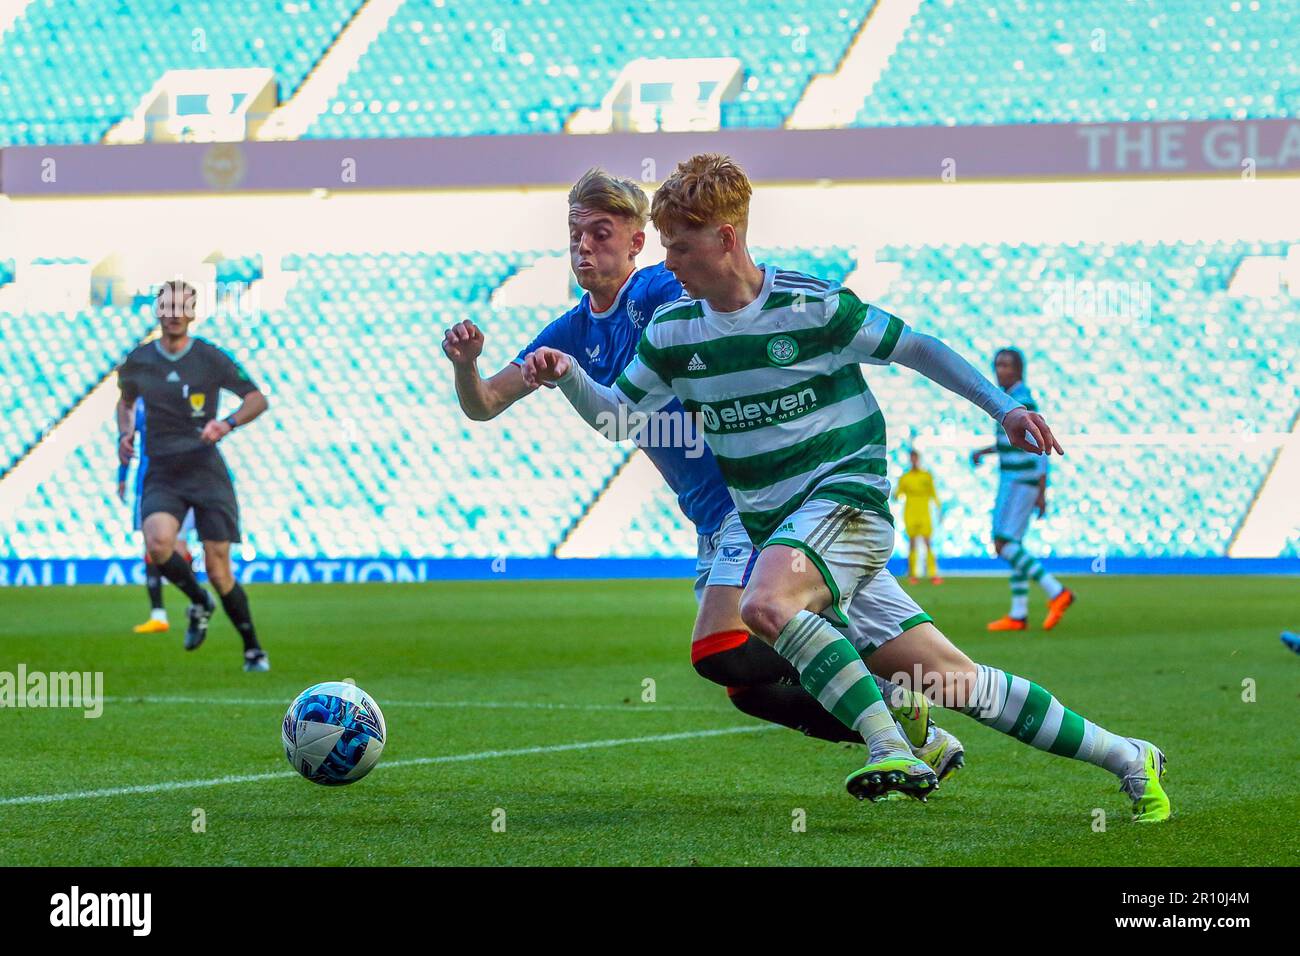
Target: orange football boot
[
  {"x": 1008, "y": 623},
  {"x": 1056, "y": 609}
]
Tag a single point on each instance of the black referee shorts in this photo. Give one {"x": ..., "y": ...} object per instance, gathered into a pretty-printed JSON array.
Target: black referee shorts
[{"x": 198, "y": 480}]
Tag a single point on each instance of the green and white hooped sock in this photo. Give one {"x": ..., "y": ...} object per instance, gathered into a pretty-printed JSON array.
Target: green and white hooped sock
[
  {"x": 1021, "y": 709},
  {"x": 832, "y": 671},
  {"x": 1024, "y": 563},
  {"x": 1019, "y": 595}
]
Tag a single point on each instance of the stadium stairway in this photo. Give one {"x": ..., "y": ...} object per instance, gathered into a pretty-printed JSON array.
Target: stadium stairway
[
  {"x": 833, "y": 99},
  {"x": 467, "y": 67},
  {"x": 293, "y": 118},
  {"x": 38, "y": 444},
  {"x": 48, "y": 453},
  {"x": 11, "y": 10},
  {"x": 1274, "y": 514}
]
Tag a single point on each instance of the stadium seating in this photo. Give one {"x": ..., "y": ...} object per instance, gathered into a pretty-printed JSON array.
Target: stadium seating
[
  {"x": 1120, "y": 339},
  {"x": 366, "y": 453},
  {"x": 48, "y": 362},
  {"x": 71, "y": 69},
  {"x": 1053, "y": 61},
  {"x": 461, "y": 67},
  {"x": 1173, "y": 355}
]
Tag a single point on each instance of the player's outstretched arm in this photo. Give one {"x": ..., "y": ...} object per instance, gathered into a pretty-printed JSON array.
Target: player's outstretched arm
[
  {"x": 924, "y": 353},
  {"x": 481, "y": 399},
  {"x": 600, "y": 406}
]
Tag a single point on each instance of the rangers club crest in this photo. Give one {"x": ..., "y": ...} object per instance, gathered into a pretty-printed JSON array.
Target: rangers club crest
[{"x": 635, "y": 314}]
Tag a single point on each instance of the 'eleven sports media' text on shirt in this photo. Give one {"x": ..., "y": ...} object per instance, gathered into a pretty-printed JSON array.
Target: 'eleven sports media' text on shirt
[{"x": 779, "y": 388}]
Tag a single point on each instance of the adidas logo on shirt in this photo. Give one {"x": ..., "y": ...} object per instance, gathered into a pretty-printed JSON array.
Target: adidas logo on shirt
[
  {"x": 696, "y": 364},
  {"x": 173, "y": 377}
]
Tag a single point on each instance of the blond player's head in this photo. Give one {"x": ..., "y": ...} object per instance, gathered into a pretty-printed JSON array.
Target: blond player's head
[
  {"x": 607, "y": 217},
  {"x": 702, "y": 214}
]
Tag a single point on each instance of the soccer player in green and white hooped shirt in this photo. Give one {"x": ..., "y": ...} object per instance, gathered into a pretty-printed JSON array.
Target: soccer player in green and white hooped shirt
[
  {"x": 1022, "y": 489},
  {"x": 770, "y": 362}
]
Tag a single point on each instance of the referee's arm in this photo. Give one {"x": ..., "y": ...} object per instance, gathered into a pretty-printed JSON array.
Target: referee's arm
[
  {"x": 125, "y": 420},
  {"x": 254, "y": 404}
]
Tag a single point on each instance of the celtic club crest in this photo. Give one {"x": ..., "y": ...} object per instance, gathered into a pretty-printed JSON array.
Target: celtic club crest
[{"x": 782, "y": 350}]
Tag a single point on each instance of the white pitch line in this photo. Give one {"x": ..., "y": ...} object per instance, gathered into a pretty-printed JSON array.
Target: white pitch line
[
  {"x": 450, "y": 704},
  {"x": 43, "y": 798}
]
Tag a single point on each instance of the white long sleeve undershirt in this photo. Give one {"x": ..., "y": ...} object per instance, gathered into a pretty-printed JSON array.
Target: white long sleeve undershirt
[
  {"x": 940, "y": 364},
  {"x": 599, "y": 405}
]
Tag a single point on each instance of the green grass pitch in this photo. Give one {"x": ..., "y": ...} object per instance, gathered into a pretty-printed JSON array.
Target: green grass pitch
[{"x": 503, "y": 675}]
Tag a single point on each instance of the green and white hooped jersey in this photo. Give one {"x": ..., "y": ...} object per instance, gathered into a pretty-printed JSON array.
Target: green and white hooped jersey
[
  {"x": 779, "y": 389},
  {"x": 1017, "y": 465}
]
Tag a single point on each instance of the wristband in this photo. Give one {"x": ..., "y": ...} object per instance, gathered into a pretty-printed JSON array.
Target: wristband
[{"x": 230, "y": 420}]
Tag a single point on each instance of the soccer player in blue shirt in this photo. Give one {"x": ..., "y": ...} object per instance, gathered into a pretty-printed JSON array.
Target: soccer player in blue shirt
[
  {"x": 607, "y": 219},
  {"x": 158, "y": 622}
]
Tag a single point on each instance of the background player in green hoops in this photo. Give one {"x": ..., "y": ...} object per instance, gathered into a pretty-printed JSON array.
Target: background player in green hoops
[
  {"x": 1022, "y": 490},
  {"x": 769, "y": 360},
  {"x": 180, "y": 379}
]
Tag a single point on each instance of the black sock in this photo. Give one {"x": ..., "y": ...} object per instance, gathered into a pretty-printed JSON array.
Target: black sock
[
  {"x": 177, "y": 570},
  {"x": 153, "y": 584},
  {"x": 235, "y": 601},
  {"x": 753, "y": 662},
  {"x": 789, "y": 705},
  {"x": 765, "y": 685}
]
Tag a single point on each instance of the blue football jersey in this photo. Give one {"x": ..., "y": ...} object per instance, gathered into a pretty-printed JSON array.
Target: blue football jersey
[{"x": 604, "y": 344}]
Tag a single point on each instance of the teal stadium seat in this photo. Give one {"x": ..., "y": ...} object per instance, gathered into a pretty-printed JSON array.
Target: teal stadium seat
[
  {"x": 1188, "y": 360},
  {"x": 49, "y": 361},
  {"x": 72, "y": 69},
  {"x": 970, "y": 62},
  {"x": 464, "y": 67}
]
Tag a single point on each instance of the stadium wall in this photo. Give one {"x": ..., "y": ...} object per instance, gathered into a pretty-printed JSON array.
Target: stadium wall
[
  {"x": 1023, "y": 152},
  {"x": 382, "y": 570}
]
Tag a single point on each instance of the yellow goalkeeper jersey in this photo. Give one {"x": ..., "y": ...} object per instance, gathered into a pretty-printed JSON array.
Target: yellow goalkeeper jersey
[{"x": 916, "y": 488}]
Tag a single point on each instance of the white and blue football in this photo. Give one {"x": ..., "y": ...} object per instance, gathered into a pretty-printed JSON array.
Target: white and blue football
[{"x": 334, "y": 733}]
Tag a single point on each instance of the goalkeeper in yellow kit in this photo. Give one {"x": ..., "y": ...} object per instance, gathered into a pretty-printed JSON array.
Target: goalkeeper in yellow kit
[{"x": 917, "y": 489}]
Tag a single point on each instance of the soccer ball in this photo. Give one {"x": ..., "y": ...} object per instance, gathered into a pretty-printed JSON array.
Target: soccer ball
[{"x": 334, "y": 733}]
